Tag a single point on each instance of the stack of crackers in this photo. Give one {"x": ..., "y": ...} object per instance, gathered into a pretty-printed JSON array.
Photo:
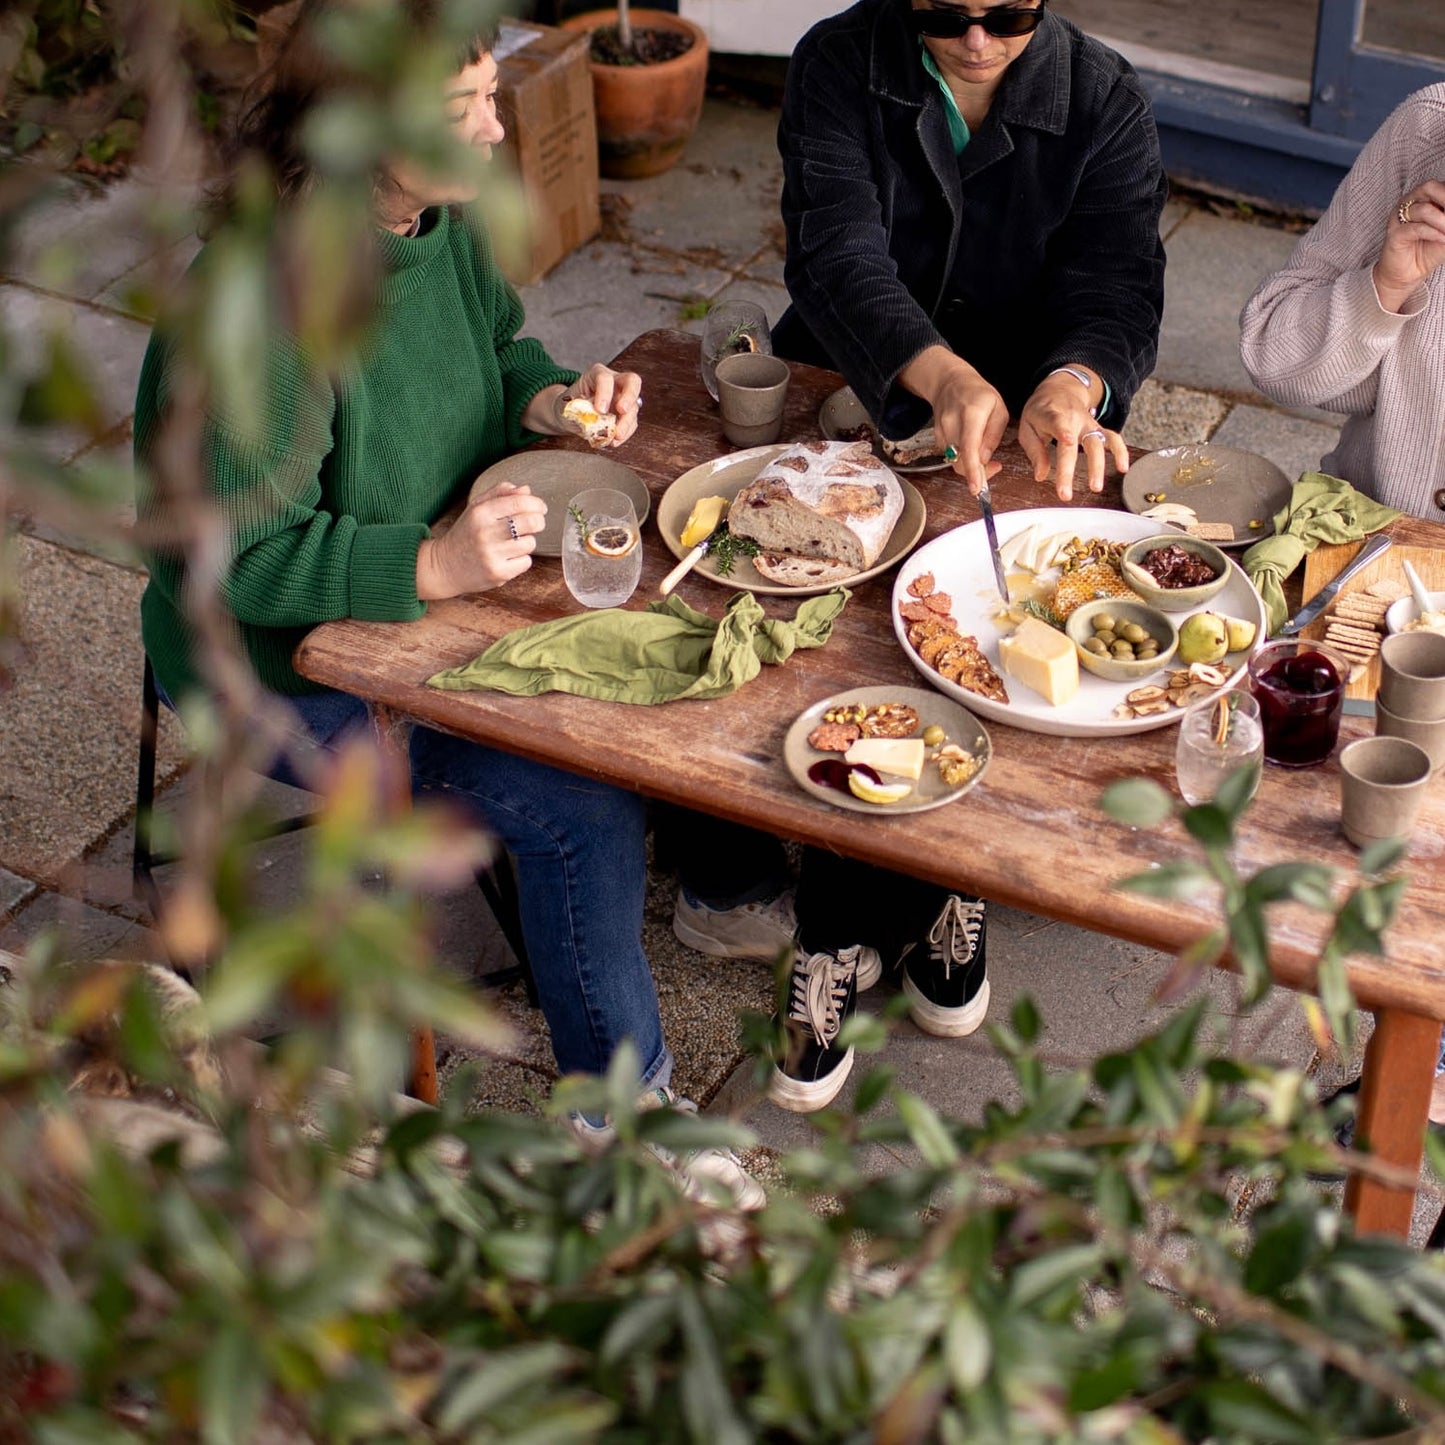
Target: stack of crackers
[{"x": 1356, "y": 622}]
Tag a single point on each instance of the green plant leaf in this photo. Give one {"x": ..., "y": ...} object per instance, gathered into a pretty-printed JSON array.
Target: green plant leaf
[
  {"x": 1378, "y": 858},
  {"x": 1139, "y": 802},
  {"x": 499, "y": 1377},
  {"x": 1209, "y": 825},
  {"x": 927, "y": 1131},
  {"x": 1168, "y": 880},
  {"x": 231, "y": 1387},
  {"x": 967, "y": 1346},
  {"x": 1307, "y": 883}
]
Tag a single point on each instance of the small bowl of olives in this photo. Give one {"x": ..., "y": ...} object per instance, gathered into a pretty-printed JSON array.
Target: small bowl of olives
[{"x": 1120, "y": 640}]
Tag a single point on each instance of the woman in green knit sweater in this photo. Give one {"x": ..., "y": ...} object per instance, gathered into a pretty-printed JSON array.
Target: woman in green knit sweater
[{"x": 329, "y": 508}]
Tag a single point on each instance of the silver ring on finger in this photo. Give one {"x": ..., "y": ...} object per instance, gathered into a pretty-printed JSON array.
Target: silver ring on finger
[
  {"x": 1403, "y": 211},
  {"x": 1096, "y": 435},
  {"x": 512, "y": 529}
]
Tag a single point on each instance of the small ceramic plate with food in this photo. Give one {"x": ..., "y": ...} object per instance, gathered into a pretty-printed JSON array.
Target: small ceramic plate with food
[
  {"x": 1233, "y": 494},
  {"x": 899, "y": 728},
  {"x": 843, "y": 418},
  {"x": 952, "y": 579},
  {"x": 557, "y": 476},
  {"x": 726, "y": 476}
]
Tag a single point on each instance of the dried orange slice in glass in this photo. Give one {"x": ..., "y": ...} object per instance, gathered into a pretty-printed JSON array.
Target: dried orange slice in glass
[{"x": 611, "y": 541}]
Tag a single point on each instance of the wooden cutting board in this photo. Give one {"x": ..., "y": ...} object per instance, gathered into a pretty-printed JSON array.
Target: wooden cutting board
[{"x": 1326, "y": 561}]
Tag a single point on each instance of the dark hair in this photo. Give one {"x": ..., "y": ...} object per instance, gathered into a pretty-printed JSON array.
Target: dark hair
[{"x": 303, "y": 75}]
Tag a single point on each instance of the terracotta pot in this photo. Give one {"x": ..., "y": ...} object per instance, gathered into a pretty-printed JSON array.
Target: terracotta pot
[{"x": 645, "y": 113}]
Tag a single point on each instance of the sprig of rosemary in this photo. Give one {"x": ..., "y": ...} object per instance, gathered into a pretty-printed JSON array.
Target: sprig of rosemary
[
  {"x": 580, "y": 520},
  {"x": 724, "y": 549},
  {"x": 1035, "y": 608}
]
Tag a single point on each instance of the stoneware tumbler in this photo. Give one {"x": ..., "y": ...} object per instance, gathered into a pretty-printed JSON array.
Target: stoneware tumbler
[
  {"x": 1427, "y": 732},
  {"x": 1412, "y": 675},
  {"x": 1382, "y": 785},
  {"x": 752, "y": 390}
]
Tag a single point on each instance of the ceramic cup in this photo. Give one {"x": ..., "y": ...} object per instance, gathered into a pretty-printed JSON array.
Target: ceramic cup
[
  {"x": 1382, "y": 785},
  {"x": 1430, "y": 735},
  {"x": 1412, "y": 675},
  {"x": 752, "y": 390}
]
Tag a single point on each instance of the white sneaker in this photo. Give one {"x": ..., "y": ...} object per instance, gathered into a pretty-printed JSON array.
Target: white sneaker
[
  {"x": 706, "y": 1176},
  {"x": 751, "y": 930}
]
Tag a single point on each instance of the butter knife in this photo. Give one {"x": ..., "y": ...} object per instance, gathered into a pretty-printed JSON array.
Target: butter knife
[
  {"x": 985, "y": 504},
  {"x": 1373, "y": 548}
]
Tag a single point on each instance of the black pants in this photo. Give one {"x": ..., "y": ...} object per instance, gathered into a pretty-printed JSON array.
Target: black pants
[{"x": 840, "y": 901}]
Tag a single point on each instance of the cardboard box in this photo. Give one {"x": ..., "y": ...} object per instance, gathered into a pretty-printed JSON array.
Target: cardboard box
[
  {"x": 545, "y": 94},
  {"x": 545, "y": 90}
]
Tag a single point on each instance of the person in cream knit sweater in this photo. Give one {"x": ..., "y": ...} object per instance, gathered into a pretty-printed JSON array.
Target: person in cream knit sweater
[{"x": 1355, "y": 322}]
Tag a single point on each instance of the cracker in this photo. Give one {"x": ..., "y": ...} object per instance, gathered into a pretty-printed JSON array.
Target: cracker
[
  {"x": 1353, "y": 636},
  {"x": 1211, "y": 531},
  {"x": 1390, "y": 588},
  {"x": 1366, "y": 616},
  {"x": 1347, "y": 628}
]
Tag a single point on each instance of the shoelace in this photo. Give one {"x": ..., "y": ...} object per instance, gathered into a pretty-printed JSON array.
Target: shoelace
[
  {"x": 820, "y": 989},
  {"x": 953, "y": 939}
]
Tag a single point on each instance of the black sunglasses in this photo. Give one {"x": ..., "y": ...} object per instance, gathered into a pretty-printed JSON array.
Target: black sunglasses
[{"x": 954, "y": 24}]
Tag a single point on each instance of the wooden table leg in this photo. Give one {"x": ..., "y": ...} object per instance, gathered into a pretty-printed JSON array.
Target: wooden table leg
[
  {"x": 1391, "y": 1115},
  {"x": 393, "y": 739}
]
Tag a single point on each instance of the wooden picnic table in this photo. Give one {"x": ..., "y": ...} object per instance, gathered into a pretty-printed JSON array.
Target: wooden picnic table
[{"x": 1031, "y": 835}]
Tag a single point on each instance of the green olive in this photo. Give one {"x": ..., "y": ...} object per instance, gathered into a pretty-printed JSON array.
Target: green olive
[
  {"x": 1103, "y": 622},
  {"x": 933, "y": 735},
  {"x": 1108, "y": 637},
  {"x": 1124, "y": 651},
  {"x": 1132, "y": 632},
  {"x": 1097, "y": 646},
  {"x": 1149, "y": 650}
]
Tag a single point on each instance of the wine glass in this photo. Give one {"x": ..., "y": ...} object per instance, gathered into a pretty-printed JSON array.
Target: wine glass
[
  {"x": 601, "y": 548},
  {"x": 732, "y": 327},
  {"x": 1217, "y": 737}
]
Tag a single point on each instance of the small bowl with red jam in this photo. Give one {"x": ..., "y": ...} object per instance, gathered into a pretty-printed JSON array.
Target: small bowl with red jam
[{"x": 1175, "y": 572}]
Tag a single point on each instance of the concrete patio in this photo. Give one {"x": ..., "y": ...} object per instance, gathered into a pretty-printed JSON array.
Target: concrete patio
[{"x": 707, "y": 229}]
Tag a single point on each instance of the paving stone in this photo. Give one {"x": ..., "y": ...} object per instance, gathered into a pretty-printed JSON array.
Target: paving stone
[
  {"x": 1293, "y": 443},
  {"x": 80, "y": 933},
  {"x": 68, "y": 727},
  {"x": 79, "y": 239},
  {"x": 604, "y": 296},
  {"x": 13, "y": 891},
  {"x": 721, "y": 197},
  {"x": 105, "y": 474},
  {"x": 106, "y": 345},
  {"x": 1214, "y": 265},
  {"x": 1167, "y": 416}
]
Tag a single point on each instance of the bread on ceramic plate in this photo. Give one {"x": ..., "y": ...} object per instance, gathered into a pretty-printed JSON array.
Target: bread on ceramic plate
[{"x": 832, "y": 502}]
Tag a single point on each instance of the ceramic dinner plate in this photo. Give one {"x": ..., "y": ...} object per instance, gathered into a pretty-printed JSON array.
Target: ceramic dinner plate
[
  {"x": 930, "y": 791},
  {"x": 1223, "y": 485},
  {"x": 726, "y": 477},
  {"x": 842, "y": 414},
  {"x": 959, "y": 561},
  {"x": 557, "y": 477}
]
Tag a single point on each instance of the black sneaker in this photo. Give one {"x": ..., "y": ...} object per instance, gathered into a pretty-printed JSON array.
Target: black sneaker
[
  {"x": 947, "y": 986},
  {"x": 824, "y": 992}
]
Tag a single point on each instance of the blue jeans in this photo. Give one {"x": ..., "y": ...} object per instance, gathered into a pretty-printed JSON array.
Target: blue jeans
[{"x": 578, "y": 847}]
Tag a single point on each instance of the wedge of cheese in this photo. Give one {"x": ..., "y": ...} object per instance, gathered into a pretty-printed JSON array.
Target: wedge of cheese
[
  {"x": 899, "y": 757},
  {"x": 1041, "y": 658}
]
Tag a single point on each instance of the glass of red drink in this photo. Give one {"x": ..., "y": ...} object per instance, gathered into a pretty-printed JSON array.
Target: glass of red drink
[{"x": 1300, "y": 685}]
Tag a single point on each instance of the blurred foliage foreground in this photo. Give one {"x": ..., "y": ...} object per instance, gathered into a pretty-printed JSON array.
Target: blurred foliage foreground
[{"x": 203, "y": 1240}]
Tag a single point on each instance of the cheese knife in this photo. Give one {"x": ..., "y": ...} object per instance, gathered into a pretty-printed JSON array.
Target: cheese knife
[
  {"x": 985, "y": 504},
  {"x": 1373, "y": 548}
]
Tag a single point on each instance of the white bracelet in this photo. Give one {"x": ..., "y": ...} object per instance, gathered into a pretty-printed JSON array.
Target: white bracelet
[{"x": 1082, "y": 377}]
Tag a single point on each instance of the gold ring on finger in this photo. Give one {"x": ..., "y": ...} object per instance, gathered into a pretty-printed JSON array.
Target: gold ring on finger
[{"x": 1403, "y": 212}]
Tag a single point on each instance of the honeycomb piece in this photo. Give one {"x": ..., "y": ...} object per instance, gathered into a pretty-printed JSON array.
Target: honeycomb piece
[{"x": 1085, "y": 584}]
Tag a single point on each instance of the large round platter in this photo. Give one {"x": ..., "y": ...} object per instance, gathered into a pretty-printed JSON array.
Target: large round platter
[
  {"x": 726, "y": 477},
  {"x": 960, "y": 565},
  {"x": 557, "y": 477},
  {"x": 1224, "y": 485},
  {"x": 930, "y": 791},
  {"x": 842, "y": 414}
]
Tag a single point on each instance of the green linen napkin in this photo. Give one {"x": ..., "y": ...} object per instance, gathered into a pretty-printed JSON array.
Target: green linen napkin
[
  {"x": 1321, "y": 508},
  {"x": 669, "y": 651}
]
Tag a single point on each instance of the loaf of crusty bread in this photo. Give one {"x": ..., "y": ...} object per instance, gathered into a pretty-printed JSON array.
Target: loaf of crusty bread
[
  {"x": 832, "y": 500},
  {"x": 789, "y": 571}
]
